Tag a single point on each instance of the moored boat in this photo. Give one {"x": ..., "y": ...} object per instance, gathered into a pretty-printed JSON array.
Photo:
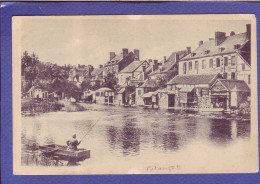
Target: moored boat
[{"x": 62, "y": 153}]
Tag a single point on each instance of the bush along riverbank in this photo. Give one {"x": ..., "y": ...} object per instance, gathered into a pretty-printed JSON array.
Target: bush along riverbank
[
  {"x": 72, "y": 107},
  {"x": 33, "y": 107}
]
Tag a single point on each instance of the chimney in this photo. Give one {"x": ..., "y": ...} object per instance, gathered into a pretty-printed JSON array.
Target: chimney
[
  {"x": 248, "y": 31},
  {"x": 155, "y": 62},
  {"x": 164, "y": 59},
  {"x": 232, "y": 33},
  {"x": 137, "y": 52},
  {"x": 155, "y": 67},
  {"x": 100, "y": 66},
  {"x": 143, "y": 68},
  {"x": 78, "y": 65},
  {"x": 150, "y": 60},
  {"x": 219, "y": 38},
  {"x": 188, "y": 50},
  {"x": 200, "y": 43},
  {"x": 125, "y": 52},
  {"x": 112, "y": 55}
]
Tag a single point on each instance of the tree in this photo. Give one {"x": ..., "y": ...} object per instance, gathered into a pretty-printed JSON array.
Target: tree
[
  {"x": 110, "y": 81},
  {"x": 29, "y": 66},
  {"x": 162, "y": 80},
  {"x": 72, "y": 90},
  {"x": 85, "y": 85}
]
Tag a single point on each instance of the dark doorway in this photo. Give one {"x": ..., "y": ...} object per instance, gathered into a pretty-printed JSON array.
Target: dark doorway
[
  {"x": 123, "y": 98},
  {"x": 110, "y": 99},
  {"x": 233, "y": 76},
  {"x": 171, "y": 100}
]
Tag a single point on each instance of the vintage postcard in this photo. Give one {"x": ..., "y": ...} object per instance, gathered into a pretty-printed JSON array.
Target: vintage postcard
[{"x": 134, "y": 94}]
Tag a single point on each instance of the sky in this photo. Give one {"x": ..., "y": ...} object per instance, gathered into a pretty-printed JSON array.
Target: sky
[{"x": 88, "y": 40}]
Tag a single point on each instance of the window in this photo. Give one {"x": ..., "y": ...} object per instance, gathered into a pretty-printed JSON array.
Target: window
[
  {"x": 249, "y": 79},
  {"x": 184, "y": 68},
  {"x": 196, "y": 65},
  {"x": 243, "y": 67},
  {"x": 225, "y": 75},
  {"x": 139, "y": 92},
  {"x": 211, "y": 63},
  {"x": 217, "y": 62},
  {"x": 233, "y": 76},
  {"x": 226, "y": 61},
  {"x": 190, "y": 65},
  {"x": 97, "y": 93},
  {"x": 233, "y": 61},
  {"x": 203, "y": 64},
  {"x": 204, "y": 92},
  {"x": 101, "y": 94}
]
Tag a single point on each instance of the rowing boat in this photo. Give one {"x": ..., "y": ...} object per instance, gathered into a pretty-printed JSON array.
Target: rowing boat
[{"x": 62, "y": 153}]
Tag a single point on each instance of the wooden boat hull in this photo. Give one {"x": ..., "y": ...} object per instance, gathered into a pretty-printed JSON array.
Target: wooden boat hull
[{"x": 62, "y": 153}]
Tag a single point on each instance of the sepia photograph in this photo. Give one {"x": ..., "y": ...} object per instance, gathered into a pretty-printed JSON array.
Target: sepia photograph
[{"x": 134, "y": 94}]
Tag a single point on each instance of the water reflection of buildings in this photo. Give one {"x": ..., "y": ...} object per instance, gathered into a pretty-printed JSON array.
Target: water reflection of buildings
[
  {"x": 224, "y": 131},
  {"x": 171, "y": 133},
  {"x": 126, "y": 138}
]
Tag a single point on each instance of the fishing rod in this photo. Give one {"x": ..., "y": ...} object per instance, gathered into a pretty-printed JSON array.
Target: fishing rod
[
  {"x": 88, "y": 131},
  {"x": 91, "y": 128}
]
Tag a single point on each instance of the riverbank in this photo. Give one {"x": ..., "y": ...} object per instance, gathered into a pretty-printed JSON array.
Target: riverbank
[{"x": 33, "y": 107}]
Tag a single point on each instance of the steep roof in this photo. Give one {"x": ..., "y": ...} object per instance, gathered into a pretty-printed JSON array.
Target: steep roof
[
  {"x": 132, "y": 66},
  {"x": 237, "y": 85},
  {"x": 227, "y": 44},
  {"x": 118, "y": 57},
  {"x": 193, "y": 79},
  {"x": 150, "y": 83},
  {"x": 170, "y": 62},
  {"x": 97, "y": 71}
]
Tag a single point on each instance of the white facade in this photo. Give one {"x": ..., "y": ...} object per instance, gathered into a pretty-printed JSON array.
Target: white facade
[
  {"x": 138, "y": 74},
  {"x": 230, "y": 66}
]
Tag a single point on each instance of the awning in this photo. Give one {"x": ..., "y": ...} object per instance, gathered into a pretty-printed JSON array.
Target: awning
[
  {"x": 121, "y": 90},
  {"x": 147, "y": 95},
  {"x": 187, "y": 89}
]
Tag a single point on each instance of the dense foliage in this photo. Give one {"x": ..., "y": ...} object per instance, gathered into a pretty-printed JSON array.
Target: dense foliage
[{"x": 51, "y": 77}]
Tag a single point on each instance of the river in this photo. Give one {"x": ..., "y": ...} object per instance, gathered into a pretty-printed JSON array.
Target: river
[{"x": 137, "y": 140}]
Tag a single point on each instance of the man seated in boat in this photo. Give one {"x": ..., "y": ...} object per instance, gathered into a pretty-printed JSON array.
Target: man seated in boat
[{"x": 73, "y": 143}]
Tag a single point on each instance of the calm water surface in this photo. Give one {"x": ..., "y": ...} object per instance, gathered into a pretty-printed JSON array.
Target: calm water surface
[{"x": 132, "y": 134}]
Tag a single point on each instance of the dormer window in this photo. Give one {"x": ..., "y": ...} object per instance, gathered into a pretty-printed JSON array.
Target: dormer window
[
  {"x": 193, "y": 54},
  {"x": 207, "y": 51},
  {"x": 237, "y": 46},
  {"x": 221, "y": 49}
]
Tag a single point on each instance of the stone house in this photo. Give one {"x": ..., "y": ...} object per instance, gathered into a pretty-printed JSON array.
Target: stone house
[
  {"x": 169, "y": 64},
  {"x": 118, "y": 62},
  {"x": 78, "y": 74},
  {"x": 161, "y": 96},
  {"x": 190, "y": 91},
  {"x": 228, "y": 94},
  {"x": 37, "y": 93},
  {"x": 228, "y": 55},
  {"x": 97, "y": 76},
  {"x": 135, "y": 71},
  {"x": 144, "y": 92}
]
